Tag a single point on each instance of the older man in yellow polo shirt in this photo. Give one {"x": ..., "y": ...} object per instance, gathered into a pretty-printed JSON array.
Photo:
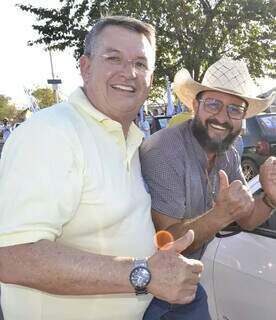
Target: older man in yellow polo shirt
[{"x": 76, "y": 235}]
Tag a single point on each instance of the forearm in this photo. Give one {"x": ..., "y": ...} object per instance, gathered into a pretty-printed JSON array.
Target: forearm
[
  {"x": 260, "y": 214},
  {"x": 204, "y": 227},
  {"x": 58, "y": 269}
]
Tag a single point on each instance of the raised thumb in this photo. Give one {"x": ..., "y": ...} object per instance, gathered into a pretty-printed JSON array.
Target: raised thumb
[
  {"x": 223, "y": 180},
  {"x": 182, "y": 243}
]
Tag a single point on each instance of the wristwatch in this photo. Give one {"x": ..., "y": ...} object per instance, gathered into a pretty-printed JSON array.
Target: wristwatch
[{"x": 140, "y": 276}]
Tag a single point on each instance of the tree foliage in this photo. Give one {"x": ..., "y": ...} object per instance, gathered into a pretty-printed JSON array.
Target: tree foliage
[
  {"x": 45, "y": 97},
  {"x": 190, "y": 33},
  {"x": 7, "y": 109}
]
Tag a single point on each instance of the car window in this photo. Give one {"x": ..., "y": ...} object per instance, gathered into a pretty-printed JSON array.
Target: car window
[
  {"x": 252, "y": 132},
  {"x": 159, "y": 122},
  {"x": 268, "y": 124},
  {"x": 163, "y": 123}
]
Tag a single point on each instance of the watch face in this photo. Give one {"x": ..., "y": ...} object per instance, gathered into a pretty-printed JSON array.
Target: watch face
[{"x": 140, "y": 277}]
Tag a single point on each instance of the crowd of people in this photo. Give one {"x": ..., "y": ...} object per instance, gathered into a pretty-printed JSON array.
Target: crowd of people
[{"x": 98, "y": 222}]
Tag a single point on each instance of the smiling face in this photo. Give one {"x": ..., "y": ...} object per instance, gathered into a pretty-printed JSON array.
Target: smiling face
[
  {"x": 115, "y": 78},
  {"x": 215, "y": 133}
]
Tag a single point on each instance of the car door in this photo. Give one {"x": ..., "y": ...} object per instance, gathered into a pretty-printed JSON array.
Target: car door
[
  {"x": 244, "y": 278},
  {"x": 240, "y": 272}
]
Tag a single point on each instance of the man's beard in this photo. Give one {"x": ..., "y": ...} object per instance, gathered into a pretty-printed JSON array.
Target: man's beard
[{"x": 200, "y": 131}]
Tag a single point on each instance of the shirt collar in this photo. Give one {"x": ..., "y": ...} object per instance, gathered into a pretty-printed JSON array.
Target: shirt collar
[{"x": 80, "y": 101}]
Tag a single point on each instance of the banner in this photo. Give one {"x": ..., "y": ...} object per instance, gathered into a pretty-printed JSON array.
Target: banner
[{"x": 32, "y": 105}]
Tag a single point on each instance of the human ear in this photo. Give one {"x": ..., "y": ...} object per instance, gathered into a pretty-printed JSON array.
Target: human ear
[
  {"x": 85, "y": 68},
  {"x": 195, "y": 105}
]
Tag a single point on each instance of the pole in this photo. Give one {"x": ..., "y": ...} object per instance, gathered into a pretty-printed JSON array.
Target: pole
[{"x": 54, "y": 86}]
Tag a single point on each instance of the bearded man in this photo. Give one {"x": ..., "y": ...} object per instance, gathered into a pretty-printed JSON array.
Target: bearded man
[{"x": 193, "y": 172}]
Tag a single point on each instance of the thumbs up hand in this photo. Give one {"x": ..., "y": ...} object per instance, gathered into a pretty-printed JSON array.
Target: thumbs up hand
[
  {"x": 234, "y": 201},
  {"x": 223, "y": 180},
  {"x": 174, "y": 277}
]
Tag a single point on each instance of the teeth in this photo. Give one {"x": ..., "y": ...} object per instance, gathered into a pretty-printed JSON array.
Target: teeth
[
  {"x": 217, "y": 127},
  {"x": 122, "y": 87}
]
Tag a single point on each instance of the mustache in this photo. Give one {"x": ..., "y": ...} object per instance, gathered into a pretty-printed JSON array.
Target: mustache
[{"x": 225, "y": 125}]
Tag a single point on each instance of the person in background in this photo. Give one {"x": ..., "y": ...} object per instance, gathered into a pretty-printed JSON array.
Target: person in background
[
  {"x": 194, "y": 175},
  {"x": 180, "y": 117},
  {"x": 149, "y": 118},
  {"x": 154, "y": 126},
  {"x": 6, "y": 130},
  {"x": 143, "y": 124},
  {"x": 77, "y": 238}
]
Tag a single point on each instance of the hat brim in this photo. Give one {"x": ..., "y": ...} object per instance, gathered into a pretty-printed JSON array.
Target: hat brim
[{"x": 187, "y": 89}]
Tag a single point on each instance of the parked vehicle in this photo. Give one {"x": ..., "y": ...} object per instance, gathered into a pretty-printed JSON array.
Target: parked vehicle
[
  {"x": 15, "y": 125},
  {"x": 240, "y": 272},
  {"x": 1, "y": 147},
  {"x": 259, "y": 142},
  {"x": 159, "y": 122}
]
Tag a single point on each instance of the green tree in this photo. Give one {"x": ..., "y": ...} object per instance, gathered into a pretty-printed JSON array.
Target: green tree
[
  {"x": 45, "y": 97},
  {"x": 190, "y": 33},
  {"x": 7, "y": 109}
]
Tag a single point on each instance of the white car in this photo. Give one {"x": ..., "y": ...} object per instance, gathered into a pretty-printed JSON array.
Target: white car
[{"x": 240, "y": 272}]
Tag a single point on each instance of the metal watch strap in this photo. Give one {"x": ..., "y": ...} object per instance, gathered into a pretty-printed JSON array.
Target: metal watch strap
[
  {"x": 138, "y": 262},
  {"x": 141, "y": 262},
  {"x": 139, "y": 291}
]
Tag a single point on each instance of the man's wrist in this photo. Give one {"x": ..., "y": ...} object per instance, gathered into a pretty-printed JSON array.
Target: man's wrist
[
  {"x": 268, "y": 202},
  {"x": 220, "y": 218},
  {"x": 140, "y": 276}
]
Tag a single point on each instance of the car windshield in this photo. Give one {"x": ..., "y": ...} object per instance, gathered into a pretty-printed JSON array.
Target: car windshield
[{"x": 268, "y": 124}]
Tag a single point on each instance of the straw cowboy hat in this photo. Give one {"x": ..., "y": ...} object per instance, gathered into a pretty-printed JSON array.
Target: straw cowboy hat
[{"x": 226, "y": 75}]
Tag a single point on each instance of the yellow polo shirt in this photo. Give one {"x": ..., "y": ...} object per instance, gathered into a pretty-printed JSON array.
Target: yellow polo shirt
[
  {"x": 179, "y": 118},
  {"x": 68, "y": 175}
]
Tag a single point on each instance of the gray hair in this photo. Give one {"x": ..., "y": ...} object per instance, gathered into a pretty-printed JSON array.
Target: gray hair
[{"x": 121, "y": 21}]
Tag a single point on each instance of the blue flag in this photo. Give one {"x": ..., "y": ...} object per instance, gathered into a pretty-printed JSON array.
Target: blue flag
[
  {"x": 179, "y": 107},
  {"x": 170, "y": 106},
  {"x": 142, "y": 114}
]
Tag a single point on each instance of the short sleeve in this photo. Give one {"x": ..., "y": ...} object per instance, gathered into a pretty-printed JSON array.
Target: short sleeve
[
  {"x": 40, "y": 183},
  {"x": 164, "y": 175},
  {"x": 235, "y": 162}
]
